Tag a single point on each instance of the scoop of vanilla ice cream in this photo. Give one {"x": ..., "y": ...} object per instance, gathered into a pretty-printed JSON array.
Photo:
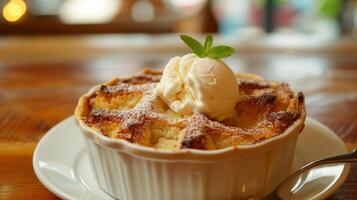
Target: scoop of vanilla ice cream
[{"x": 205, "y": 85}]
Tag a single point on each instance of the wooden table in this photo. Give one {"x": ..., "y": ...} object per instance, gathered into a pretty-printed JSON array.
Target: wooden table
[{"x": 42, "y": 78}]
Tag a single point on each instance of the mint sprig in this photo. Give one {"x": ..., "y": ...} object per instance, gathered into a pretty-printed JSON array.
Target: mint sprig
[
  {"x": 194, "y": 45},
  {"x": 207, "y": 50}
]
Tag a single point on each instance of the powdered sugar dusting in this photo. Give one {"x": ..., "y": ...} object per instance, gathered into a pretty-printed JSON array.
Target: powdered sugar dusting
[
  {"x": 196, "y": 126},
  {"x": 199, "y": 124},
  {"x": 141, "y": 113},
  {"x": 126, "y": 87}
]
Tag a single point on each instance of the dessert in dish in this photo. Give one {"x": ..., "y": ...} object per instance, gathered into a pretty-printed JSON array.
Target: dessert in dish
[
  {"x": 193, "y": 131},
  {"x": 129, "y": 109},
  {"x": 196, "y": 103}
]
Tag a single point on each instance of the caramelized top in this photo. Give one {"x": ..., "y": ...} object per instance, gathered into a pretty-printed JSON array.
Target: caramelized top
[{"x": 129, "y": 109}]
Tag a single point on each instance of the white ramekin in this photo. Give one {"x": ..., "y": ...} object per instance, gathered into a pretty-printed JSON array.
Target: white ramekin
[{"x": 128, "y": 171}]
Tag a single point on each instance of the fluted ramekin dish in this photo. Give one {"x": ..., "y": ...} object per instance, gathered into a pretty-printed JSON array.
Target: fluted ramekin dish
[{"x": 129, "y": 171}]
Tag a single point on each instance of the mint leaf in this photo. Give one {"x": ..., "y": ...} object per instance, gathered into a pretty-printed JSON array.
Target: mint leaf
[
  {"x": 208, "y": 43},
  {"x": 220, "y": 52},
  {"x": 207, "y": 50},
  {"x": 194, "y": 45}
]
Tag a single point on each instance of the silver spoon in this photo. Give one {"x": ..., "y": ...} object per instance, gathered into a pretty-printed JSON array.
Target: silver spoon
[{"x": 343, "y": 158}]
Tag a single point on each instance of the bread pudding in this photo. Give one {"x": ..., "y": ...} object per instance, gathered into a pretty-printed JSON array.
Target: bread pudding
[
  {"x": 129, "y": 109},
  {"x": 183, "y": 132}
]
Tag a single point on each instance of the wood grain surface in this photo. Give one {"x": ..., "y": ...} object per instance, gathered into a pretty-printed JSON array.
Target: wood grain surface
[{"x": 35, "y": 94}]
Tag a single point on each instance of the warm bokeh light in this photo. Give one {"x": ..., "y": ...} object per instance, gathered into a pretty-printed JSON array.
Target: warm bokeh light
[
  {"x": 89, "y": 11},
  {"x": 14, "y": 10},
  {"x": 187, "y": 7},
  {"x": 143, "y": 11}
]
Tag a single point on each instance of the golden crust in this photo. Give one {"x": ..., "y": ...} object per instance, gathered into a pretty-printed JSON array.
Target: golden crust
[{"x": 128, "y": 109}]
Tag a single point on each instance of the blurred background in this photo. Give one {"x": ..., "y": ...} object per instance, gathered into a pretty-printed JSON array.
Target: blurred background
[{"x": 316, "y": 19}]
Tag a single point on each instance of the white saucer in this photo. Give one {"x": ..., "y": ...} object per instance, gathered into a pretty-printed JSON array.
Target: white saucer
[{"x": 61, "y": 163}]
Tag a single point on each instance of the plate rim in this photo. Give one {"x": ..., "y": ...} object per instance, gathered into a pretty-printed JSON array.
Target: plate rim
[
  {"x": 37, "y": 169},
  {"x": 60, "y": 193}
]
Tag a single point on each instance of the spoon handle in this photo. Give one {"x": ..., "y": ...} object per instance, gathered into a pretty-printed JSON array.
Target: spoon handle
[{"x": 343, "y": 158}]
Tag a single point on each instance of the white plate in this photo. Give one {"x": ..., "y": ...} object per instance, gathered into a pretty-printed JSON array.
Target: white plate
[{"x": 61, "y": 163}]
